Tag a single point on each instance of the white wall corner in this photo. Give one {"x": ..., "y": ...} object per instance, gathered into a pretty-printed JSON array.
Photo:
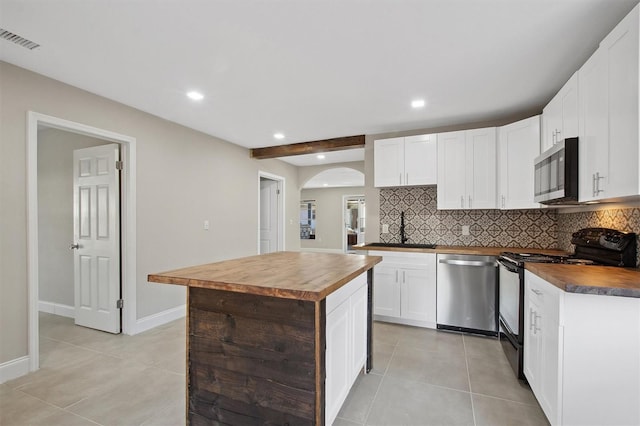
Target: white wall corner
[
  {"x": 57, "y": 309},
  {"x": 164, "y": 317},
  {"x": 13, "y": 369}
]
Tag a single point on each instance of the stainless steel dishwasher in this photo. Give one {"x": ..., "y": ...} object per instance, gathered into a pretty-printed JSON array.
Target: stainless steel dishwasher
[{"x": 467, "y": 293}]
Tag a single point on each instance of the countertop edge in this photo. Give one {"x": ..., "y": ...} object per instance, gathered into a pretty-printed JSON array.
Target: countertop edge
[
  {"x": 313, "y": 296},
  {"x": 602, "y": 291}
]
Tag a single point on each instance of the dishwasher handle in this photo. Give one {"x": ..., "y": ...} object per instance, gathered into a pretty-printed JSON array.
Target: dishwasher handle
[{"x": 467, "y": 262}]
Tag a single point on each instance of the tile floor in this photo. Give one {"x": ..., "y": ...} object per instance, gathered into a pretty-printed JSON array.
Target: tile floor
[{"x": 420, "y": 377}]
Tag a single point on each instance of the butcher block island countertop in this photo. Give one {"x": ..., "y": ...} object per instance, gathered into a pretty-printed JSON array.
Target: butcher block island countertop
[
  {"x": 260, "y": 348},
  {"x": 290, "y": 275}
]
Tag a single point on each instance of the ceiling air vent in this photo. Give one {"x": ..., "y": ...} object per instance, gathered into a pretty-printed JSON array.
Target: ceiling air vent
[{"x": 15, "y": 38}]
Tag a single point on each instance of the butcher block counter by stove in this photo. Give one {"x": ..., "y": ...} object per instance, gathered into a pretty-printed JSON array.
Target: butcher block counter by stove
[{"x": 257, "y": 328}]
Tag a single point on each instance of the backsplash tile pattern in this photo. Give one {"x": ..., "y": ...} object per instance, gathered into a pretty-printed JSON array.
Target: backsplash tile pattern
[
  {"x": 424, "y": 223},
  {"x": 626, "y": 220}
]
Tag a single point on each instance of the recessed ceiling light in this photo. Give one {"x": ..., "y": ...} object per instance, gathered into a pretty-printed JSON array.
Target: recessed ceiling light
[
  {"x": 418, "y": 103},
  {"x": 320, "y": 156},
  {"x": 196, "y": 96},
  {"x": 278, "y": 136}
]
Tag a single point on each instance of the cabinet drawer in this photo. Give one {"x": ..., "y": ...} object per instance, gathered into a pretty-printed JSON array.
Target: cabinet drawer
[{"x": 544, "y": 294}]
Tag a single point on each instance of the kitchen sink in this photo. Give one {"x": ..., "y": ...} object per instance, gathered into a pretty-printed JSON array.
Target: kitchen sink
[{"x": 405, "y": 245}]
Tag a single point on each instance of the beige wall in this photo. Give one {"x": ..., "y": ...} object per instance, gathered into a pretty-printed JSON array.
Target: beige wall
[
  {"x": 329, "y": 218},
  {"x": 183, "y": 178},
  {"x": 55, "y": 212}
]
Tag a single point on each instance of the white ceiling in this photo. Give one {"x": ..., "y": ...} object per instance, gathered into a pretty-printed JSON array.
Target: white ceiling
[
  {"x": 312, "y": 69},
  {"x": 356, "y": 154}
]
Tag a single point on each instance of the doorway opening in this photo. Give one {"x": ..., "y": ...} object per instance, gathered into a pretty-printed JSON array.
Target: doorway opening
[
  {"x": 46, "y": 243},
  {"x": 354, "y": 221},
  {"x": 270, "y": 213}
]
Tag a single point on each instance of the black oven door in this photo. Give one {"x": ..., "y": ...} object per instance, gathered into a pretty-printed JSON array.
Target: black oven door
[{"x": 510, "y": 302}]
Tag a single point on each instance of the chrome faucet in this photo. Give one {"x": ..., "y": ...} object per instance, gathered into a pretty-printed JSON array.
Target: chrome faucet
[{"x": 403, "y": 237}]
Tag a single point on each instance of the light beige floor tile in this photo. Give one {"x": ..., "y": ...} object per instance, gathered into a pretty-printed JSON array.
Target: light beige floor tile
[
  {"x": 345, "y": 422},
  {"x": 173, "y": 415},
  {"x": 143, "y": 396},
  {"x": 483, "y": 347},
  {"x": 386, "y": 333},
  {"x": 427, "y": 339},
  {"x": 436, "y": 368},
  {"x": 381, "y": 357},
  {"x": 403, "y": 402},
  {"x": 360, "y": 398},
  {"x": 82, "y": 380},
  {"x": 493, "y": 377},
  {"x": 499, "y": 412},
  {"x": 18, "y": 409}
]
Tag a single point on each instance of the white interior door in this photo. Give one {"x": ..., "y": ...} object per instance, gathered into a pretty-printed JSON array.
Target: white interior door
[
  {"x": 96, "y": 244},
  {"x": 269, "y": 193}
]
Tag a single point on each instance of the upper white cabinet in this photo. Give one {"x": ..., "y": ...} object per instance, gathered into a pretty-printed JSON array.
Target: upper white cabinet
[
  {"x": 560, "y": 116},
  {"x": 518, "y": 146},
  {"x": 405, "y": 161},
  {"x": 467, "y": 169},
  {"x": 608, "y": 125}
]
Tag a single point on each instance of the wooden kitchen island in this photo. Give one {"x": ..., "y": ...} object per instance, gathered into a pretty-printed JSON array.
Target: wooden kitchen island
[{"x": 264, "y": 332}]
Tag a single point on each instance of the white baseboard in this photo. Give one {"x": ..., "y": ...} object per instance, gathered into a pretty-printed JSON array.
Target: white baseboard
[
  {"x": 322, "y": 250},
  {"x": 57, "y": 309},
  {"x": 152, "y": 321},
  {"x": 13, "y": 369}
]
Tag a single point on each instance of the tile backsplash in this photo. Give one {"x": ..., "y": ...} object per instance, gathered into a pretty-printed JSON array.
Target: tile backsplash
[
  {"x": 626, "y": 220},
  {"x": 424, "y": 223}
]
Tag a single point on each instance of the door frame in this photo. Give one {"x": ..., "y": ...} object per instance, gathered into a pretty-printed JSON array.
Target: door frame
[
  {"x": 127, "y": 223},
  {"x": 281, "y": 230},
  {"x": 345, "y": 198}
]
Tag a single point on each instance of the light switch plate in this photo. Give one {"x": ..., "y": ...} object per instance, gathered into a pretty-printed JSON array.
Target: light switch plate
[
  {"x": 206, "y": 225},
  {"x": 465, "y": 229}
]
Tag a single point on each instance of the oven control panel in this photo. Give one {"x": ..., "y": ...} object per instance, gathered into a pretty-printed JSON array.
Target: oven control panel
[{"x": 603, "y": 238}]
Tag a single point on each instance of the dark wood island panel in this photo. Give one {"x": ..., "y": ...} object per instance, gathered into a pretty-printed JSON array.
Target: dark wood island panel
[
  {"x": 252, "y": 358},
  {"x": 256, "y": 353}
]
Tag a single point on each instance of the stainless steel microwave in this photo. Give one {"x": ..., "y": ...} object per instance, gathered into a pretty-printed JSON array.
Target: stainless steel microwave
[{"x": 556, "y": 174}]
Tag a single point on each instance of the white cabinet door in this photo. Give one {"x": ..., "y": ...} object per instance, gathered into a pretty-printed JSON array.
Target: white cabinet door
[
  {"x": 386, "y": 291},
  {"x": 418, "y": 294},
  {"x": 452, "y": 170},
  {"x": 560, "y": 116},
  {"x": 593, "y": 149},
  {"x": 609, "y": 86},
  {"x": 481, "y": 168},
  {"x": 359, "y": 330},
  {"x": 388, "y": 159},
  {"x": 518, "y": 146},
  {"x": 551, "y": 121},
  {"x": 621, "y": 51},
  {"x": 420, "y": 160},
  {"x": 337, "y": 362}
]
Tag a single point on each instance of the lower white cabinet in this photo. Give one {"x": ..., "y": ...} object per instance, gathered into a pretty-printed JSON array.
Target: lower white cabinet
[
  {"x": 404, "y": 288},
  {"x": 346, "y": 342},
  {"x": 582, "y": 355}
]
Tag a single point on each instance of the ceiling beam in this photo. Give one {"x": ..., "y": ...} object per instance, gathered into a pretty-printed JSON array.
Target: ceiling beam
[{"x": 326, "y": 145}]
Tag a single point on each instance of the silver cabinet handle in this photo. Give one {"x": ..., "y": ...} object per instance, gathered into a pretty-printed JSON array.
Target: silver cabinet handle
[
  {"x": 537, "y": 292},
  {"x": 597, "y": 180},
  {"x": 466, "y": 262},
  {"x": 406, "y": 179},
  {"x": 536, "y": 317},
  {"x": 403, "y": 277},
  {"x": 469, "y": 202},
  {"x": 462, "y": 201},
  {"x": 531, "y": 317},
  {"x": 396, "y": 276},
  {"x": 75, "y": 246},
  {"x": 503, "y": 201},
  {"x": 593, "y": 184}
]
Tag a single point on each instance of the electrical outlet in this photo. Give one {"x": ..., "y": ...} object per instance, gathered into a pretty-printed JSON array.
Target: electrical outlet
[
  {"x": 206, "y": 225},
  {"x": 385, "y": 228},
  {"x": 465, "y": 229}
]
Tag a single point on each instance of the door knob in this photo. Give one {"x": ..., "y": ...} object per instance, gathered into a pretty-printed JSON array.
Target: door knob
[{"x": 74, "y": 246}]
